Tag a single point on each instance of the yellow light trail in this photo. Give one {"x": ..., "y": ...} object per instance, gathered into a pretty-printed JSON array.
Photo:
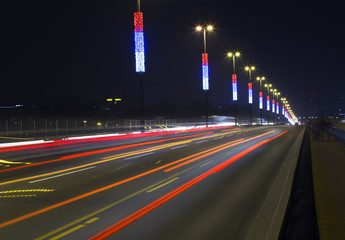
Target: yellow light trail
[{"x": 111, "y": 158}]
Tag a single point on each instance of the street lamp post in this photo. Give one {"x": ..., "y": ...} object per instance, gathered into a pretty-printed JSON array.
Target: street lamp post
[
  {"x": 140, "y": 54},
  {"x": 268, "y": 86},
  {"x": 273, "y": 103},
  {"x": 283, "y": 109},
  {"x": 250, "y": 92},
  {"x": 277, "y": 105},
  {"x": 205, "y": 76},
  {"x": 234, "y": 82},
  {"x": 261, "y": 104}
]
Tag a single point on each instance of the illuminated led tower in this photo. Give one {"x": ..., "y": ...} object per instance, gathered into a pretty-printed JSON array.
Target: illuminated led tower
[
  {"x": 268, "y": 86},
  {"x": 277, "y": 94},
  {"x": 283, "y": 113},
  {"x": 250, "y": 92},
  {"x": 139, "y": 40},
  {"x": 234, "y": 81},
  {"x": 234, "y": 87},
  {"x": 204, "y": 67},
  {"x": 261, "y": 100}
]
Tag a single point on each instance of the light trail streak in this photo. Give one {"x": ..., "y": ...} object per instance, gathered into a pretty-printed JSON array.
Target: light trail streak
[
  {"x": 98, "y": 152},
  {"x": 140, "y": 213},
  {"x": 40, "y": 143},
  {"x": 222, "y": 147},
  {"x": 115, "y": 157},
  {"x": 95, "y": 163},
  {"x": 68, "y": 201}
]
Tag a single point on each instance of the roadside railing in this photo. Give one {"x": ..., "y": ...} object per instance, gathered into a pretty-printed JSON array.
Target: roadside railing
[
  {"x": 339, "y": 134},
  {"x": 63, "y": 128}
]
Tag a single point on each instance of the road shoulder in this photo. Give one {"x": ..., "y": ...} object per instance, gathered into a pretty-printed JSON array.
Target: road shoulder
[{"x": 328, "y": 165}]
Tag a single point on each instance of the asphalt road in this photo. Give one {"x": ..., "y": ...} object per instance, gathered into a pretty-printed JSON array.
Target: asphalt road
[{"x": 200, "y": 184}]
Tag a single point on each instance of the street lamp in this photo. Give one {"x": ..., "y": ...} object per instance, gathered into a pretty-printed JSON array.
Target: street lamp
[
  {"x": 283, "y": 108},
  {"x": 268, "y": 86},
  {"x": 273, "y": 103},
  {"x": 261, "y": 104},
  {"x": 205, "y": 77},
  {"x": 250, "y": 91},
  {"x": 234, "y": 81},
  {"x": 277, "y": 94}
]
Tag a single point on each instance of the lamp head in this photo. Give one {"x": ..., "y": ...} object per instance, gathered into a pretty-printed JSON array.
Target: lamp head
[{"x": 198, "y": 28}]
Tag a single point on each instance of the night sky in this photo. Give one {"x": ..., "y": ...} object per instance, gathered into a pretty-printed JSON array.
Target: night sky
[{"x": 82, "y": 52}]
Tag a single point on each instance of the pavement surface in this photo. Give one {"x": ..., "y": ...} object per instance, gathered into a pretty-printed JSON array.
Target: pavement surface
[
  {"x": 328, "y": 167},
  {"x": 222, "y": 183}
]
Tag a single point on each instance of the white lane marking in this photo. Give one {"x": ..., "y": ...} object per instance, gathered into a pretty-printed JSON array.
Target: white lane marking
[
  {"x": 205, "y": 164},
  {"x": 219, "y": 137},
  {"x": 125, "y": 165},
  {"x": 179, "y": 146},
  {"x": 60, "y": 175},
  {"x": 139, "y": 156},
  {"x": 201, "y": 141}
]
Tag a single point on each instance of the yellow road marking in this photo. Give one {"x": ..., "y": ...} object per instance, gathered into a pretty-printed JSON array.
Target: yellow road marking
[
  {"x": 17, "y": 138},
  {"x": 109, "y": 206},
  {"x": 9, "y": 162},
  {"x": 18, "y": 196},
  {"x": 158, "y": 161},
  {"x": 68, "y": 232},
  {"x": 162, "y": 185},
  {"x": 27, "y": 190},
  {"x": 91, "y": 220}
]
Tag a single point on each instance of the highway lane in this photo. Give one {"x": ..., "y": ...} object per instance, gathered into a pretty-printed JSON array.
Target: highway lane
[{"x": 87, "y": 194}]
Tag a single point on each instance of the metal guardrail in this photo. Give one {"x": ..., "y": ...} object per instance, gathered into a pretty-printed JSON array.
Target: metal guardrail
[
  {"x": 339, "y": 134},
  {"x": 27, "y": 129}
]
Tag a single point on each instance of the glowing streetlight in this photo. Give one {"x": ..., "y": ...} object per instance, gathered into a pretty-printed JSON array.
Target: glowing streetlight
[
  {"x": 234, "y": 81},
  {"x": 233, "y": 56},
  {"x": 250, "y": 91},
  {"x": 277, "y": 94},
  {"x": 273, "y": 103},
  {"x": 283, "y": 108},
  {"x": 261, "y": 102},
  {"x": 205, "y": 76}
]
